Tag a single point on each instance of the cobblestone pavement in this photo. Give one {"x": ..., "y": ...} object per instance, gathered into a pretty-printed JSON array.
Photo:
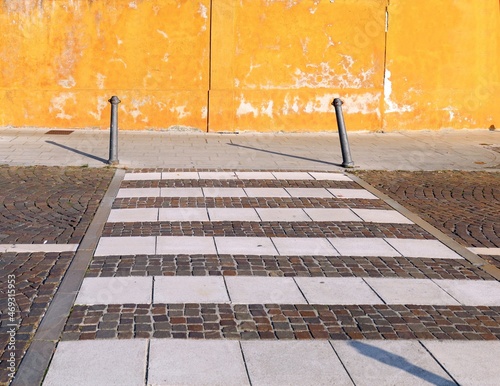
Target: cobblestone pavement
[
  {"x": 40, "y": 205},
  {"x": 464, "y": 205}
]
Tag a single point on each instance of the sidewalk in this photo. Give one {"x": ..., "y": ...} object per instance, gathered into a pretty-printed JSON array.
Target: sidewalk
[
  {"x": 291, "y": 277},
  {"x": 453, "y": 150}
]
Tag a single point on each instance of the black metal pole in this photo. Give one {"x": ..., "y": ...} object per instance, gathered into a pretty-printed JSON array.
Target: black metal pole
[
  {"x": 344, "y": 142},
  {"x": 113, "y": 135}
]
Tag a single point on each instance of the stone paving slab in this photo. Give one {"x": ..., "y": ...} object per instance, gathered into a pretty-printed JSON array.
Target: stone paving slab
[{"x": 283, "y": 322}]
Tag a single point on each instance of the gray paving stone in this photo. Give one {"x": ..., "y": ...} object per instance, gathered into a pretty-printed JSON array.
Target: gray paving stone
[
  {"x": 224, "y": 192},
  {"x": 282, "y": 214},
  {"x": 183, "y": 214},
  {"x": 133, "y": 215},
  {"x": 382, "y": 216},
  {"x": 98, "y": 362},
  {"x": 189, "y": 289},
  {"x": 134, "y": 245},
  {"x": 423, "y": 248},
  {"x": 390, "y": 363},
  {"x": 353, "y": 193},
  {"x": 331, "y": 214},
  {"x": 245, "y": 246},
  {"x": 472, "y": 292},
  {"x": 233, "y": 214},
  {"x": 173, "y": 245},
  {"x": 181, "y": 192},
  {"x": 263, "y": 290},
  {"x": 355, "y": 246},
  {"x": 138, "y": 192},
  {"x": 298, "y": 246},
  {"x": 309, "y": 192},
  {"x": 293, "y": 363},
  {"x": 266, "y": 192},
  {"x": 142, "y": 176},
  {"x": 115, "y": 290},
  {"x": 196, "y": 362}
]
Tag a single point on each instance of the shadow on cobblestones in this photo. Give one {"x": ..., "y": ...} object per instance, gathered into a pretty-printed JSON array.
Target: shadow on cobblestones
[{"x": 464, "y": 205}]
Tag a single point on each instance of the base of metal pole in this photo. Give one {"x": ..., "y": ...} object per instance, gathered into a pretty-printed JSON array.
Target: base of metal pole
[{"x": 344, "y": 143}]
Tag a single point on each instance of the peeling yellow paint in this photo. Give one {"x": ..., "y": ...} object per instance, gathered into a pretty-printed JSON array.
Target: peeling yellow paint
[{"x": 260, "y": 65}]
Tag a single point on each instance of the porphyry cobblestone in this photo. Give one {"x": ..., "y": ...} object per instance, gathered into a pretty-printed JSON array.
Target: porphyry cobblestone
[
  {"x": 35, "y": 277},
  {"x": 309, "y": 266},
  {"x": 49, "y": 204},
  {"x": 246, "y": 202},
  {"x": 265, "y": 229},
  {"x": 464, "y": 205},
  {"x": 282, "y": 321}
]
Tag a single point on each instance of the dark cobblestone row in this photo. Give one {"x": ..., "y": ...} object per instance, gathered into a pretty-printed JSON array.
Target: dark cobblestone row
[
  {"x": 464, "y": 205},
  {"x": 246, "y": 202},
  {"x": 273, "y": 321},
  {"x": 325, "y": 266},
  {"x": 37, "y": 277},
  {"x": 49, "y": 204},
  {"x": 265, "y": 229},
  {"x": 240, "y": 184}
]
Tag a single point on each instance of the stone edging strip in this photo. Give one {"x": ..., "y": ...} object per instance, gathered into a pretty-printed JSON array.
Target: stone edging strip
[
  {"x": 34, "y": 364},
  {"x": 32, "y": 248},
  {"x": 446, "y": 240}
]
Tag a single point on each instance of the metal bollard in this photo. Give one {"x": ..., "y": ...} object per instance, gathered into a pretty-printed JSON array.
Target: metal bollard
[
  {"x": 113, "y": 135},
  {"x": 344, "y": 142}
]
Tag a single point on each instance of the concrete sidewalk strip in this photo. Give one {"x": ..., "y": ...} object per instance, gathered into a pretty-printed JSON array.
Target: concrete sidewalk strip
[
  {"x": 354, "y": 246},
  {"x": 233, "y": 214},
  {"x": 472, "y": 292},
  {"x": 288, "y": 246},
  {"x": 263, "y": 290},
  {"x": 332, "y": 214},
  {"x": 173, "y": 245},
  {"x": 142, "y": 176},
  {"x": 245, "y": 246},
  {"x": 133, "y": 245},
  {"x": 266, "y": 192},
  {"x": 217, "y": 175},
  {"x": 224, "y": 192},
  {"x": 410, "y": 291},
  {"x": 138, "y": 192},
  {"x": 99, "y": 362},
  {"x": 309, "y": 192},
  {"x": 293, "y": 176},
  {"x": 423, "y": 248},
  {"x": 468, "y": 362},
  {"x": 181, "y": 192},
  {"x": 180, "y": 176},
  {"x": 29, "y": 248},
  {"x": 282, "y": 214},
  {"x": 115, "y": 290},
  {"x": 185, "y": 289},
  {"x": 255, "y": 176},
  {"x": 196, "y": 362},
  {"x": 324, "y": 176},
  {"x": 353, "y": 193},
  {"x": 293, "y": 363},
  {"x": 381, "y": 216},
  {"x": 391, "y": 363},
  {"x": 347, "y": 290},
  {"x": 133, "y": 215},
  {"x": 182, "y": 214}
]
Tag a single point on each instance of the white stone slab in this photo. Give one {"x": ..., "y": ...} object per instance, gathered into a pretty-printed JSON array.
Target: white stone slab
[
  {"x": 245, "y": 246},
  {"x": 135, "y": 245},
  {"x": 142, "y": 176},
  {"x": 196, "y": 362},
  {"x": 266, "y": 192},
  {"x": 485, "y": 251},
  {"x": 385, "y": 362},
  {"x": 20, "y": 248},
  {"x": 473, "y": 292},
  {"x": 423, "y": 248},
  {"x": 138, "y": 192},
  {"x": 292, "y": 176},
  {"x": 353, "y": 193},
  {"x": 180, "y": 176},
  {"x": 409, "y": 291},
  {"x": 293, "y": 363},
  {"x": 181, "y": 192},
  {"x": 321, "y": 176},
  {"x": 98, "y": 362},
  {"x": 356, "y": 246},
  {"x": 309, "y": 192},
  {"x": 224, "y": 192},
  {"x": 233, "y": 214},
  {"x": 217, "y": 175},
  {"x": 471, "y": 363},
  {"x": 183, "y": 214},
  {"x": 300, "y": 246},
  {"x": 185, "y": 245},
  {"x": 255, "y": 176},
  {"x": 133, "y": 215},
  {"x": 382, "y": 216},
  {"x": 331, "y": 214},
  {"x": 115, "y": 290},
  {"x": 189, "y": 289},
  {"x": 263, "y": 290},
  {"x": 338, "y": 290},
  {"x": 282, "y": 214}
]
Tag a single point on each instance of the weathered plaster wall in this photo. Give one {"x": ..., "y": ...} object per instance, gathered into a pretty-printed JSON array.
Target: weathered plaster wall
[
  {"x": 61, "y": 60},
  {"x": 263, "y": 65}
]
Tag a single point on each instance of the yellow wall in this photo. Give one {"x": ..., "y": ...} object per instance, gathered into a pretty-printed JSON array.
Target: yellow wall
[{"x": 260, "y": 65}]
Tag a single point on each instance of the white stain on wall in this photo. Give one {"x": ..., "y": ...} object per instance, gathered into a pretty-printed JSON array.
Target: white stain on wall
[
  {"x": 58, "y": 104},
  {"x": 102, "y": 103},
  {"x": 67, "y": 83},
  {"x": 100, "y": 81},
  {"x": 391, "y": 106},
  {"x": 246, "y": 108}
]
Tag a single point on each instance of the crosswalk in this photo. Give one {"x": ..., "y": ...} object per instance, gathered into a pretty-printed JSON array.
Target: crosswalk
[{"x": 273, "y": 278}]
